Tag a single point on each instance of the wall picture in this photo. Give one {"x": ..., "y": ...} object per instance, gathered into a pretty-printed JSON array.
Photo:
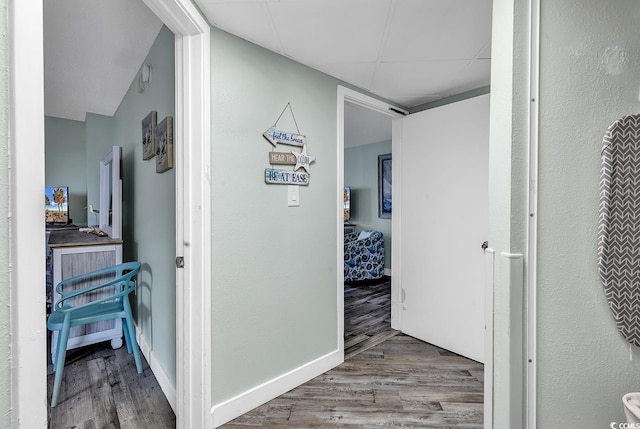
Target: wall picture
[
  {"x": 164, "y": 145},
  {"x": 149, "y": 135},
  {"x": 384, "y": 186}
]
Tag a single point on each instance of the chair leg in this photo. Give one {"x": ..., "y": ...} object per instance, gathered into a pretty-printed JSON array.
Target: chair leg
[
  {"x": 125, "y": 330},
  {"x": 55, "y": 354},
  {"x": 134, "y": 343},
  {"x": 61, "y": 354}
]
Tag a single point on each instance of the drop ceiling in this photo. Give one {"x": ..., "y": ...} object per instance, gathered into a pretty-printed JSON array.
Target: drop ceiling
[{"x": 407, "y": 51}]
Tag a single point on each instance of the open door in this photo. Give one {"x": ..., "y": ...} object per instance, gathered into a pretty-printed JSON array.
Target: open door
[{"x": 441, "y": 167}]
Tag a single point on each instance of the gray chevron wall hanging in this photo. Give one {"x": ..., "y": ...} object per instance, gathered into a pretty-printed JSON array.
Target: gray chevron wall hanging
[{"x": 619, "y": 224}]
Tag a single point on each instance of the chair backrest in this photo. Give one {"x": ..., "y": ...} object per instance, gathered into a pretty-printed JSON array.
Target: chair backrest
[{"x": 119, "y": 278}]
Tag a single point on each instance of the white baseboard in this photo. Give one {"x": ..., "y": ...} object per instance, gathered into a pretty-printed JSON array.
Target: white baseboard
[
  {"x": 387, "y": 272},
  {"x": 247, "y": 401},
  {"x": 165, "y": 383}
]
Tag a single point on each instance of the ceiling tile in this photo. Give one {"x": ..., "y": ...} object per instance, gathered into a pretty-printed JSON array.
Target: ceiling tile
[
  {"x": 423, "y": 78},
  {"x": 475, "y": 75},
  {"x": 250, "y": 20},
  {"x": 318, "y": 32},
  {"x": 358, "y": 74},
  {"x": 434, "y": 29}
]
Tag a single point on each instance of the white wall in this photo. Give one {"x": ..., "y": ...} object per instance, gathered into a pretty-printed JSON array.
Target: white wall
[
  {"x": 590, "y": 57},
  {"x": 5, "y": 283}
]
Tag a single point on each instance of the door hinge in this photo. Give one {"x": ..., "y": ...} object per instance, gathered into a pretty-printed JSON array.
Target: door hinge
[{"x": 180, "y": 262}]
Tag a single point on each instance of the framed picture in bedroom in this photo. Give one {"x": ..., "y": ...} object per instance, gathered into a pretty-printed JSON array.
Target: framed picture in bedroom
[
  {"x": 384, "y": 186},
  {"x": 164, "y": 145},
  {"x": 149, "y": 135}
]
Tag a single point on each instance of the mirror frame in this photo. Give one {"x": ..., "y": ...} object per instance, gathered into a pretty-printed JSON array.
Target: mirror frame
[{"x": 110, "y": 163}]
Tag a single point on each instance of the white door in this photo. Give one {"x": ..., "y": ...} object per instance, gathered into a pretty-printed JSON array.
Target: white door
[{"x": 444, "y": 216}]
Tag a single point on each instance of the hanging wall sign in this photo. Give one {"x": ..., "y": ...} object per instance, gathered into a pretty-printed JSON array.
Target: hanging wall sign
[
  {"x": 275, "y": 136},
  {"x": 303, "y": 160},
  {"x": 283, "y": 177},
  {"x": 282, "y": 158}
]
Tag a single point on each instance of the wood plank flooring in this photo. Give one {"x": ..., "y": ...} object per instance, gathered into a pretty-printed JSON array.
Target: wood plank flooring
[
  {"x": 399, "y": 383},
  {"x": 367, "y": 315},
  {"x": 391, "y": 380},
  {"x": 387, "y": 380},
  {"x": 102, "y": 389}
]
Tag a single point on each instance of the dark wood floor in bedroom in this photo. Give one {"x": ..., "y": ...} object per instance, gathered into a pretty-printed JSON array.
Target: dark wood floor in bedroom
[
  {"x": 367, "y": 315},
  {"x": 102, "y": 389}
]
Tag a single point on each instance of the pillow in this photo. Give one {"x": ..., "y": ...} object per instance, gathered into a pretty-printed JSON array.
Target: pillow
[{"x": 365, "y": 234}]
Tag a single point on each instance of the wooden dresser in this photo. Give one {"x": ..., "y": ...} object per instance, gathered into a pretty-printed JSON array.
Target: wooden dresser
[{"x": 74, "y": 253}]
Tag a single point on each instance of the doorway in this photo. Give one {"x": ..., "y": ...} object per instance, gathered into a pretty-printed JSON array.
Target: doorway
[
  {"x": 352, "y": 103},
  {"x": 192, "y": 213},
  {"x": 367, "y": 238},
  {"x": 396, "y": 296}
]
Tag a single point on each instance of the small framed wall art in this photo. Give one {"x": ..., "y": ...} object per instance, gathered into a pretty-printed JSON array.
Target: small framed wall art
[
  {"x": 149, "y": 135},
  {"x": 164, "y": 145},
  {"x": 384, "y": 186}
]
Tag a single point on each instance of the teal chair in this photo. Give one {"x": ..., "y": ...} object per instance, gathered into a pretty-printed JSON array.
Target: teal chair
[{"x": 119, "y": 282}]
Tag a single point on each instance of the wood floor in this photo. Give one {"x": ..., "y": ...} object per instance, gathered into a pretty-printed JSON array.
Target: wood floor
[
  {"x": 399, "y": 383},
  {"x": 102, "y": 389},
  {"x": 390, "y": 380}
]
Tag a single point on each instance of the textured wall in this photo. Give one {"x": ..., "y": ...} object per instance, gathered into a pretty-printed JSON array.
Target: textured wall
[
  {"x": 274, "y": 267},
  {"x": 5, "y": 285},
  {"x": 148, "y": 213},
  {"x": 590, "y": 58}
]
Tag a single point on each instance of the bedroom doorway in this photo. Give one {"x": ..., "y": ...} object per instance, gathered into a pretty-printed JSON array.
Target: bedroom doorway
[
  {"x": 366, "y": 252},
  {"x": 192, "y": 216}
]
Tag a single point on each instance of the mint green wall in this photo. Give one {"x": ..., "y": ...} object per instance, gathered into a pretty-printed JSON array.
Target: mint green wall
[
  {"x": 590, "y": 57},
  {"x": 148, "y": 211},
  {"x": 273, "y": 267},
  {"x": 5, "y": 283},
  {"x": 65, "y": 162},
  {"x": 361, "y": 173}
]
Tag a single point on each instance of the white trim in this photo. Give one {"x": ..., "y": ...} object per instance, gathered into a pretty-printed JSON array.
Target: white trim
[
  {"x": 344, "y": 95},
  {"x": 238, "y": 405},
  {"x": 193, "y": 209},
  {"x": 28, "y": 386},
  {"x": 158, "y": 372},
  {"x": 111, "y": 193},
  {"x": 396, "y": 225},
  {"x": 340, "y": 220},
  {"x": 489, "y": 284},
  {"x": 387, "y": 272},
  {"x": 532, "y": 233}
]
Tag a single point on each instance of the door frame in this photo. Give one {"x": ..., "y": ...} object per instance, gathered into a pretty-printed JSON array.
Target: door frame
[
  {"x": 344, "y": 95},
  {"x": 193, "y": 211},
  {"x": 348, "y": 95}
]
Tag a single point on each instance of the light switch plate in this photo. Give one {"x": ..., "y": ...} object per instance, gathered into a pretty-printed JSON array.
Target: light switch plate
[{"x": 293, "y": 196}]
